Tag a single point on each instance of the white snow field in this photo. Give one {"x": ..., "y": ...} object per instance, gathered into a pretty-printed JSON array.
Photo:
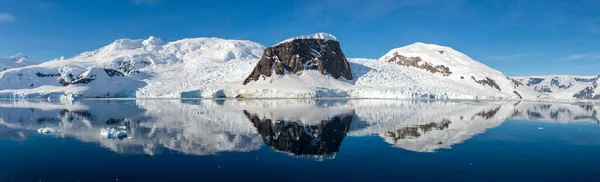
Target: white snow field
[{"x": 216, "y": 68}]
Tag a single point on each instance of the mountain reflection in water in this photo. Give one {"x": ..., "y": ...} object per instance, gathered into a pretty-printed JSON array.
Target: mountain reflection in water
[
  {"x": 313, "y": 128},
  {"x": 322, "y": 138}
]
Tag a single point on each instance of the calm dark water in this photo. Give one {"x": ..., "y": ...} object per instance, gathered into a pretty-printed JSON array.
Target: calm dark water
[{"x": 300, "y": 140}]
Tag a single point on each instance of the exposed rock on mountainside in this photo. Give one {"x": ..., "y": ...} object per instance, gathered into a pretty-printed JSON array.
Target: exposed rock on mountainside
[
  {"x": 487, "y": 81},
  {"x": 319, "y": 52},
  {"x": 516, "y": 83},
  {"x": 416, "y": 62},
  {"x": 563, "y": 86},
  {"x": 88, "y": 76},
  {"x": 590, "y": 92}
]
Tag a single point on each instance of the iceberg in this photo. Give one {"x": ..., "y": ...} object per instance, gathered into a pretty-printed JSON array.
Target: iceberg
[
  {"x": 47, "y": 130},
  {"x": 111, "y": 133}
]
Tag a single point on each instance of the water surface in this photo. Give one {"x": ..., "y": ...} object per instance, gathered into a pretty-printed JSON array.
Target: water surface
[{"x": 300, "y": 140}]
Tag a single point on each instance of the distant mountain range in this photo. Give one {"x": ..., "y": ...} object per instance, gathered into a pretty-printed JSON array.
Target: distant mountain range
[
  {"x": 311, "y": 66},
  {"x": 563, "y": 86}
]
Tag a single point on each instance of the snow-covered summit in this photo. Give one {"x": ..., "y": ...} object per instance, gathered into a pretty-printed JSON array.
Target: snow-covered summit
[
  {"x": 158, "y": 69},
  {"x": 436, "y": 55},
  {"x": 320, "y": 35},
  {"x": 442, "y": 71},
  {"x": 190, "y": 49},
  {"x": 14, "y": 61}
]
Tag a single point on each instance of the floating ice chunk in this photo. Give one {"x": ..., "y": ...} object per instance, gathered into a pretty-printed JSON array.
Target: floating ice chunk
[
  {"x": 112, "y": 133},
  {"x": 47, "y": 130}
]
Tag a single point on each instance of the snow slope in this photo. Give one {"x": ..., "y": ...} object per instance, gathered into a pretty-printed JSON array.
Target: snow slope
[
  {"x": 143, "y": 68},
  {"x": 391, "y": 80}
]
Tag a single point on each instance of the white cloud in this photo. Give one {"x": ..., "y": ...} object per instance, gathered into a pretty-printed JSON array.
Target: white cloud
[
  {"x": 6, "y": 17},
  {"x": 145, "y": 1},
  {"x": 579, "y": 57}
]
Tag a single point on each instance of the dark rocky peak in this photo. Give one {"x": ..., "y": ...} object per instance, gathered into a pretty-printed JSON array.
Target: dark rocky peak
[
  {"x": 319, "y": 52},
  {"x": 417, "y": 62}
]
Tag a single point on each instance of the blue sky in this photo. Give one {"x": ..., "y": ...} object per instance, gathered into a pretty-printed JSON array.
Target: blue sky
[{"x": 517, "y": 37}]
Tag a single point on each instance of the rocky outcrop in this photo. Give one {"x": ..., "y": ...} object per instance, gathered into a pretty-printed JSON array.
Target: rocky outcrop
[
  {"x": 489, "y": 82},
  {"x": 88, "y": 76},
  {"x": 516, "y": 83},
  {"x": 296, "y": 55},
  {"x": 589, "y": 92},
  {"x": 417, "y": 62}
]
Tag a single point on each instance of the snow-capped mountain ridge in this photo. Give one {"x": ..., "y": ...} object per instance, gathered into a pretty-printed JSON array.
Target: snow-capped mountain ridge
[
  {"x": 309, "y": 66},
  {"x": 164, "y": 69},
  {"x": 562, "y": 86},
  {"x": 189, "y": 49},
  {"x": 14, "y": 61}
]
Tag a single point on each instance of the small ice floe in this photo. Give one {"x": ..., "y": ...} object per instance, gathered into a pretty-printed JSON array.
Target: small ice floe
[
  {"x": 122, "y": 127},
  {"x": 540, "y": 128},
  {"x": 47, "y": 130},
  {"x": 112, "y": 133}
]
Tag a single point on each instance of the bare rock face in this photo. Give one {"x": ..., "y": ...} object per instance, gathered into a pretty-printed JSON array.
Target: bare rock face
[
  {"x": 296, "y": 55},
  {"x": 489, "y": 82},
  {"x": 590, "y": 92},
  {"x": 516, "y": 83},
  {"x": 416, "y": 62}
]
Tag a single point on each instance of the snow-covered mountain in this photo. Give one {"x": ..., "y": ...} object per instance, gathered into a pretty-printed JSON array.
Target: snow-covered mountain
[
  {"x": 303, "y": 67},
  {"x": 563, "y": 87},
  {"x": 432, "y": 71},
  {"x": 136, "y": 68},
  {"x": 14, "y": 61}
]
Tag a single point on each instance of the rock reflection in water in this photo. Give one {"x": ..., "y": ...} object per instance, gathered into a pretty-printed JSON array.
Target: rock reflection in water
[
  {"x": 415, "y": 131},
  {"x": 322, "y": 138}
]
